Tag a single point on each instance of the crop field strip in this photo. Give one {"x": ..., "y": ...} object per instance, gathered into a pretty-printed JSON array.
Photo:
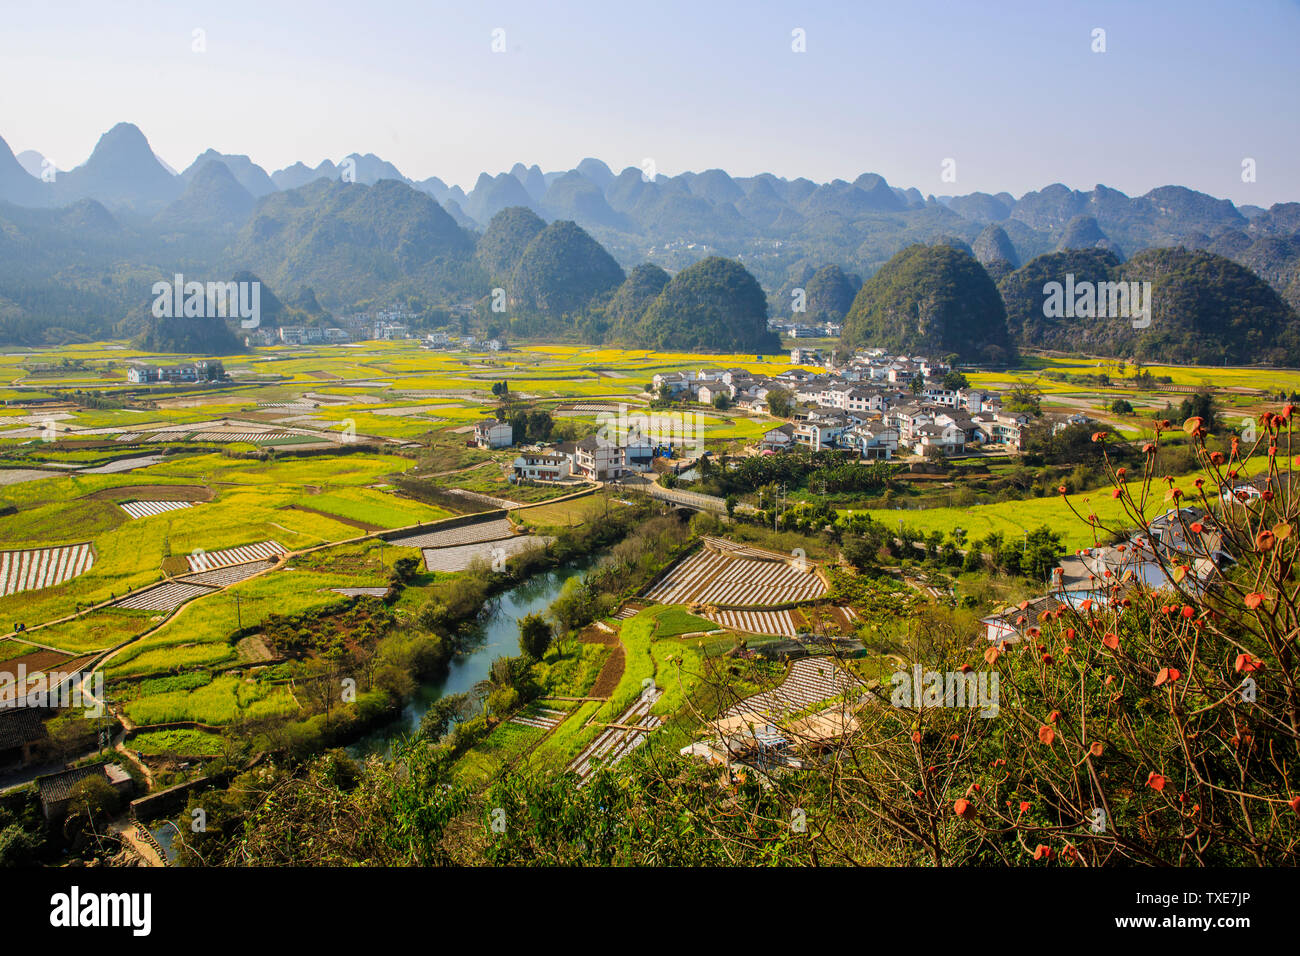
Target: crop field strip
[
  {"x": 164, "y": 597},
  {"x": 36, "y": 568},
  {"x": 710, "y": 577},
  {"x": 615, "y": 743},
  {"x": 493, "y": 530},
  {"x": 228, "y": 575},
  {"x": 542, "y": 718},
  {"x": 361, "y": 592},
  {"x": 210, "y": 560},
  {"x": 810, "y": 681},
  {"x": 758, "y": 622},
  {"x": 253, "y": 437},
  {"x": 147, "y": 509},
  {"x": 460, "y": 557}
]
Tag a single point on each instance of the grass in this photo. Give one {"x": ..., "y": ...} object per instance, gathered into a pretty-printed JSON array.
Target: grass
[
  {"x": 179, "y": 741},
  {"x": 199, "y": 635},
  {"x": 374, "y": 507},
  {"x": 672, "y": 620},
  {"x": 253, "y": 498},
  {"x": 224, "y": 700},
  {"x": 1011, "y": 518},
  {"x": 506, "y": 743},
  {"x": 99, "y": 630}
]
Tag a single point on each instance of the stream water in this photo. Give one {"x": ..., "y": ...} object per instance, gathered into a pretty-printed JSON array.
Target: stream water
[{"x": 496, "y": 635}]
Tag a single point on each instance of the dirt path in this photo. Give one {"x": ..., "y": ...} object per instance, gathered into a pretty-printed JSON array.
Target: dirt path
[{"x": 126, "y": 831}]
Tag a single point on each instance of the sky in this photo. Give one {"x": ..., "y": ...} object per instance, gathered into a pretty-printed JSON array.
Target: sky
[{"x": 949, "y": 98}]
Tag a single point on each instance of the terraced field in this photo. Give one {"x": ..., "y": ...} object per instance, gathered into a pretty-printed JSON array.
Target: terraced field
[
  {"x": 721, "y": 578},
  {"x": 460, "y": 557},
  {"x": 634, "y": 726},
  {"x": 230, "y": 574},
  {"x": 164, "y": 597},
  {"x": 782, "y": 623},
  {"x": 35, "y": 568},
  {"x": 809, "y": 681},
  {"x": 147, "y": 509},
  {"x": 493, "y": 530},
  {"x": 262, "y": 551}
]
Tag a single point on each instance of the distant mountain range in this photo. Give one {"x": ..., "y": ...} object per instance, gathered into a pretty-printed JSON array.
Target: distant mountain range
[{"x": 123, "y": 213}]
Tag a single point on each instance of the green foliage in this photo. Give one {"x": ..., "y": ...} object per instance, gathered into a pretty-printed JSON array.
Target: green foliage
[
  {"x": 562, "y": 270},
  {"x": 1205, "y": 309},
  {"x": 188, "y": 336},
  {"x": 780, "y": 402},
  {"x": 629, "y": 303},
  {"x": 503, "y": 243},
  {"x": 931, "y": 300},
  {"x": 713, "y": 305},
  {"x": 535, "y": 636},
  {"x": 829, "y": 294}
]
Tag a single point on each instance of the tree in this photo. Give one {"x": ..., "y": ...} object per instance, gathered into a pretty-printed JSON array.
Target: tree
[
  {"x": 722, "y": 401},
  {"x": 1202, "y": 406},
  {"x": 535, "y": 636},
  {"x": 955, "y": 380},
  {"x": 780, "y": 402},
  {"x": 443, "y": 714},
  {"x": 1042, "y": 553},
  {"x": 1024, "y": 398},
  {"x": 92, "y": 804},
  {"x": 1121, "y": 406}
]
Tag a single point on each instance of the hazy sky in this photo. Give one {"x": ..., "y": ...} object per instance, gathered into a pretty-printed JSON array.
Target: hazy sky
[{"x": 1011, "y": 91}]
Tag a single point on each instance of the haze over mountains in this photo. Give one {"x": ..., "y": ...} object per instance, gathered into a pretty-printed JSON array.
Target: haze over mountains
[{"x": 358, "y": 232}]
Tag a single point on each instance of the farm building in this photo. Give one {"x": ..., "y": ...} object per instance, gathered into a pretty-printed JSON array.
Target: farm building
[
  {"x": 542, "y": 466},
  {"x": 21, "y": 729},
  {"x": 490, "y": 433},
  {"x": 56, "y": 789},
  {"x": 1008, "y": 625},
  {"x": 599, "y": 459}
]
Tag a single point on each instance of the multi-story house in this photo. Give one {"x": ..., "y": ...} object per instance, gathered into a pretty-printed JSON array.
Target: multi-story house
[{"x": 490, "y": 433}]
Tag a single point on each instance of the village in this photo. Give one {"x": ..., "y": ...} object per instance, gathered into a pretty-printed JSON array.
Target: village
[{"x": 874, "y": 404}]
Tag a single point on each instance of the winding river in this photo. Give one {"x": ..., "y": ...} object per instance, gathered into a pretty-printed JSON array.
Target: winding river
[{"x": 496, "y": 635}]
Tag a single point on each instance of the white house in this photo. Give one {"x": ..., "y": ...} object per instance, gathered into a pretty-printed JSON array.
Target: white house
[
  {"x": 780, "y": 438},
  {"x": 873, "y": 440},
  {"x": 599, "y": 459},
  {"x": 949, "y": 439},
  {"x": 542, "y": 466},
  {"x": 490, "y": 433},
  {"x": 821, "y": 433}
]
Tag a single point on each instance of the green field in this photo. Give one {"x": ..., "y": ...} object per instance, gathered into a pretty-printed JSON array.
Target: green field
[{"x": 414, "y": 409}]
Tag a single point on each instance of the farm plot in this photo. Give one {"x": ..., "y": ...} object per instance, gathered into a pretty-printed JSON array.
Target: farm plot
[
  {"x": 361, "y": 592},
  {"x": 253, "y": 437},
  {"x": 36, "y": 568},
  {"x": 459, "y": 558},
  {"x": 163, "y": 597},
  {"x": 543, "y": 718},
  {"x": 783, "y": 623},
  {"x": 722, "y": 578},
  {"x": 147, "y": 509},
  {"x": 619, "y": 739},
  {"x": 209, "y": 560},
  {"x": 809, "y": 681},
  {"x": 481, "y": 531},
  {"x": 231, "y": 574}
]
